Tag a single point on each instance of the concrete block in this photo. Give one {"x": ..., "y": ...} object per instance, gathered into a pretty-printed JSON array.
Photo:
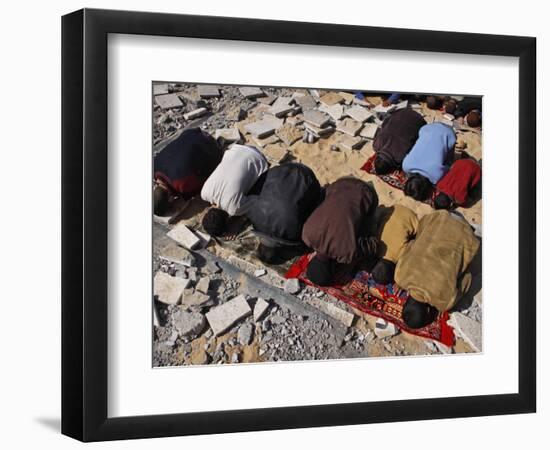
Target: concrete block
[
  {"x": 333, "y": 311},
  {"x": 369, "y": 130},
  {"x": 350, "y": 142},
  {"x": 203, "y": 285},
  {"x": 168, "y": 101},
  {"x": 359, "y": 113},
  {"x": 229, "y": 134},
  {"x": 331, "y": 98},
  {"x": 275, "y": 153},
  {"x": 292, "y": 286},
  {"x": 159, "y": 89},
  {"x": 199, "y": 112},
  {"x": 267, "y": 100},
  {"x": 222, "y": 317},
  {"x": 261, "y": 143},
  {"x": 245, "y": 333},
  {"x": 184, "y": 236},
  {"x": 385, "y": 329},
  {"x": 208, "y": 91},
  {"x": 335, "y": 111},
  {"x": 188, "y": 324},
  {"x": 260, "y": 307},
  {"x": 289, "y": 134},
  {"x": 260, "y": 272},
  {"x": 318, "y": 132},
  {"x": 168, "y": 289},
  {"x": 349, "y": 126},
  {"x": 263, "y": 128},
  {"x": 251, "y": 92},
  {"x": 280, "y": 110},
  {"x": 316, "y": 118},
  {"x": 173, "y": 253},
  {"x": 468, "y": 329},
  {"x": 306, "y": 102}
]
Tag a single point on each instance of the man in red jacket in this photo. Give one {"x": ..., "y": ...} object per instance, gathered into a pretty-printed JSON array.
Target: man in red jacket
[{"x": 456, "y": 186}]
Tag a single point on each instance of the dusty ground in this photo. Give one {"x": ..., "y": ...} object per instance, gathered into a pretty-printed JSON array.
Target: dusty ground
[{"x": 282, "y": 333}]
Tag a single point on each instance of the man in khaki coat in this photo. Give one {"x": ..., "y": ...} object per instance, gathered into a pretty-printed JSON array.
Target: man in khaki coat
[{"x": 434, "y": 267}]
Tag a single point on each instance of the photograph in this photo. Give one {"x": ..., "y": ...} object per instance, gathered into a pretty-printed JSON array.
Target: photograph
[{"x": 299, "y": 224}]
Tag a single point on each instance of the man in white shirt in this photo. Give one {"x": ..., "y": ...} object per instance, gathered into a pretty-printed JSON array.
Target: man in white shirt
[{"x": 228, "y": 185}]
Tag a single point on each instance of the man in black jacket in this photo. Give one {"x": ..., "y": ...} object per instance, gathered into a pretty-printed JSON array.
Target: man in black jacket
[{"x": 281, "y": 201}]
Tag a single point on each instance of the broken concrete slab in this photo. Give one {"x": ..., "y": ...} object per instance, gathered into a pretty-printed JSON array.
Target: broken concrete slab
[
  {"x": 347, "y": 96},
  {"x": 349, "y": 126},
  {"x": 203, "y": 285},
  {"x": 331, "y": 98},
  {"x": 159, "y": 89},
  {"x": 350, "y": 142},
  {"x": 280, "y": 110},
  {"x": 208, "y": 91},
  {"x": 359, "y": 113},
  {"x": 289, "y": 134},
  {"x": 267, "y": 100},
  {"x": 184, "y": 236},
  {"x": 265, "y": 141},
  {"x": 334, "y": 311},
  {"x": 176, "y": 254},
  {"x": 335, "y": 111},
  {"x": 188, "y": 324},
  {"x": 316, "y": 118},
  {"x": 229, "y": 134},
  {"x": 385, "y": 329},
  {"x": 195, "y": 298},
  {"x": 468, "y": 329},
  {"x": 168, "y": 101},
  {"x": 199, "y": 112},
  {"x": 245, "y": 333},
  {"x": 292, "y": 286},
  {"x": 235, "y": 114},
  {"x": 264, "y": 127},
  {"x": 251, "y": 92},
  {"x": 318, "y": 132},
  {"x": 260, "y": 307},
  {"x": 222, "y": 317},
  {"x": 369, "y": 130},
  {"x": 168, "y": 289},
  {"x": 275, "y": 153},
  {"x": 306, "y": 102}
]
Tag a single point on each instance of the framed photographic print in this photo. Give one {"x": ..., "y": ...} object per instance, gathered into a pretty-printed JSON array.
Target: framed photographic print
[{"x": 311, "y": 220}]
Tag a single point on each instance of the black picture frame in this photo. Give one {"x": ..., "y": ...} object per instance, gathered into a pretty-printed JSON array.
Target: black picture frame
[{"x": 84, "y": 224}]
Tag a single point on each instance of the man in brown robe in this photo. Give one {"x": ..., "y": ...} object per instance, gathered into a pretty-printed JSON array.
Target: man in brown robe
[
  {"x": 434, "y": 267},
  {"x": 337, "y": 228}
]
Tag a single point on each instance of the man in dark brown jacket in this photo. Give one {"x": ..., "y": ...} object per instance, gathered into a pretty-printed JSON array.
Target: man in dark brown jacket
[{"x": 337, "y": 229}]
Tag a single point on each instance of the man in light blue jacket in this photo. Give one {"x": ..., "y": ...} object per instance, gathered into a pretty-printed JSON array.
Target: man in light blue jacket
[{"x": 429, "y": 159}]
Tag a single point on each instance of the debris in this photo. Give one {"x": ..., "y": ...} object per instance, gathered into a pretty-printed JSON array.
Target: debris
[
  {"x": 176, "y": 254},
  {"x": 349, "y": 126},
  {"x": 205, "y": 238},
  {"x": 306, "y": 102},
  {"x": 194, "y": 298},
  {"x": 384, "y": 329},
  {"x": 260, "y": 308},
  {"x": 267, "y": 100},
  {"x": 251, "y": 92},
  {"x": 235, "y": 358},
  {"x": 212, "y": 266},
  {"x": 169, "y": 289},
  {"x": 350, "y": 142},
  {"x": 260, "y": 272},
  {"x": 318, "y": 132},
  {"x": 235, "y": 114},
  {"x": 369, "y": 130},
  {"x": 263, "y": 128},
  {"x": 348, "y": 97},
  {"x": 203, "y": 285},
  {"x": 188, "y": 324},
  {"x": 195, "y": 113},
  {"x": 289, "y": 134},
  {"x": 245, "y": 333},
  {"x": 334, "y": 311},
  {"x": 468, "y": 329},
  {"x": 168, "y": 101},
  {"x": 160, "y": 89},
  {"x": 184, "y": 236},
  {"x": 208, "y": 91},
  {"x": 316, "y": 118},
  {"x": 281, "y": 107},
  {"x": 227, "y": 314},
  {"x": 229, "y": 134},
  {"x": 295, "y": 120},
  {"x": 292, "y": 286},
  {"x": 335, "y": 111},
  {"x": 202, "y": 358},
  {"x": 276, "y": 153},
  {"x": 331, "y": 98},
  {"x": 359, "y": 113}
]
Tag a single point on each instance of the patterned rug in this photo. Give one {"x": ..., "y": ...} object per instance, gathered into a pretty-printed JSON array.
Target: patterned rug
[
  {"x": 396, "y": 179},
  {"x": 364, "y": 294}
]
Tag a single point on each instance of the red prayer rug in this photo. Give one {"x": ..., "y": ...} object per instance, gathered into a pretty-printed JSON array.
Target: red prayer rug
[
  {"x": 395, "y": 179},
  {"x": 385, "y": 301}
]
